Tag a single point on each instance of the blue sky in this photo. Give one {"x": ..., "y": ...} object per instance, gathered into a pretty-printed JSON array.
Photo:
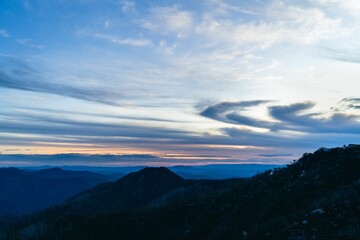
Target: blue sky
[{"x": 192, "y": 81}]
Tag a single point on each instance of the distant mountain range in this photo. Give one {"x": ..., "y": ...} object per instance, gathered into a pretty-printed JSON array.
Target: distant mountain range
[
  {"x": 27, "y": 191},
  {"x": 213, "y": 171},
  {"x": 34, "y": 188},
  {"x": 316, "y": 197}
]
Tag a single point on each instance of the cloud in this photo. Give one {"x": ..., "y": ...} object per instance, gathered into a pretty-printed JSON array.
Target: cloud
[
  {"x": 348, "y": 103},
  {"x": 109, "y": 160},
  {"x": 279, "y": 23},
  {"x": 222, "y": 110},
  {"x": 12, "y": 150},
  {"x": 224, "y": 8},
  {"x": 107, "y": 24},
  {"x": 169, "y": 20},
  {"x": 4, "y": 33},
  {"x": 69, "y": 127},
  {"x": 275, "y": 155},
  {"x": 27, "y": 42},
  {"x": 62, "y": 131},
  {"x": 352, "y": 56},
  {"x": 37, "y": 114},
  {"x": 18, "y": 74},
  {"x": 294, "y": 117},
  {"x": 135, "y": 42},
  {"x": 351, "y": 6},
  {"x": 128, "y": 6},
  {"x": 289, "y": 140}
]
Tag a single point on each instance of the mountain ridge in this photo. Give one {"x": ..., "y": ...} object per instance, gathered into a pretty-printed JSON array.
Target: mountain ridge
[{"x": 23, "y": 192}]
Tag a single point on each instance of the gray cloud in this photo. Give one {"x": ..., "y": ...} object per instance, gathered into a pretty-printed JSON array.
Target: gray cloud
[
  {"x": 280, "y": 140},
  {"x": 352, "y": 56},
  {"x": 109, "y": 160},
  {"x": 18, "y": 74},
  {"x": 222, "y": 110},
  {"x": 294, "y": 117},
  {"x": 59, "y": 129},
  {"x": 275, "y": 155},
  {"x": 39, "y": 114},
  {"x": 45, "y": 130},
  {"x": 349, "y": 103}
]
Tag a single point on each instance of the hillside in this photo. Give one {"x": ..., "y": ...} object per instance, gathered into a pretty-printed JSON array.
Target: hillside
[
  {"x": 131, "y": 191},
  {"x": 315, "y": 197},
  {"x": 24, "y": 191}
]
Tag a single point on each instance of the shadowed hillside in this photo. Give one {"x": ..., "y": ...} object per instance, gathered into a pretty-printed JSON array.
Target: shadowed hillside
[{"x": 23, "y": 192}]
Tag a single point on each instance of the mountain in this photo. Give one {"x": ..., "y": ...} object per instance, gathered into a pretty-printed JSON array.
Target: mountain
[
  {"x": 27, "y": 191},
  {"x": 315, "y": 197},
  {"x": 133, "y": 190},
  {"x": 60, "y": 173},
  {"x": 212, "y": 171},
  {"x": 221, "y": 171}
]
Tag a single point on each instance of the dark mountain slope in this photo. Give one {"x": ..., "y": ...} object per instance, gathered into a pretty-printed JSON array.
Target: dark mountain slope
[
  {"x": 316, "y": 197},
  {"x": 133, "y": 190},
  {"x": 23, "y": 192}
]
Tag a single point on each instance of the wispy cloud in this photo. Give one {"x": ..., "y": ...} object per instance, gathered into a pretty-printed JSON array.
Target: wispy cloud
[
  {"x": 4, "y": 33},
  {"x": 71, "y": 133},
  {"x": 128, "y": 6},
  {"x": 168, "y": 20},
  {"x": 352, "y": 56},
  {"x": 275, "y": 155},
  {"x": 348, "y": 104},
  {"x": 351, "y": 6},
  {"x": 221, "y": 111},
  {"x": 281, "y": 23},
  {"x": 136, "y": 42},
  {"x": 28, "y": 43},
  {"x": 18, "y": 74},
  {"x": 294, "y": 117}
]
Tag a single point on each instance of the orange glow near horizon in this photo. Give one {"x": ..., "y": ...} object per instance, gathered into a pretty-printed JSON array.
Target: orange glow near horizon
[
  {"x": 184, "y": 151},
  {"x": 59, "y": 150}
]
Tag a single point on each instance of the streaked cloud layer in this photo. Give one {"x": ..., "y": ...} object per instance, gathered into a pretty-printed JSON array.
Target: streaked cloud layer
[{"x": 205, "y": 81}]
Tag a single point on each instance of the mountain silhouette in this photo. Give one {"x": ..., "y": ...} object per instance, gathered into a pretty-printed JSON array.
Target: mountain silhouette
[
  {"x": 27, "y": 191},
  {"x": 133, "y": 190}
]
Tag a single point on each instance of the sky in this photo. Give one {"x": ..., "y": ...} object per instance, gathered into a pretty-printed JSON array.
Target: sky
[{"x": 178, "y": 82}]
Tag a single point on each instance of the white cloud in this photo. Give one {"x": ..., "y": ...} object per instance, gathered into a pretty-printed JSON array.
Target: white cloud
[
  {"x": 138, "y": 42},
  {"x": 352, "y": 6},
  {"x": 223, "y": 7},
  {"x": 4, "y": 33},
  {"x": 27, "y": 42},
  {"x": 275, "y": 23},
  {"x": 169, "y": 20},
  {"x": 165, "y": 47},
  {"x": 107, "y": 24},
  {"x": 281, "y": 23},
  {"x": 127, "y": 6},
  {"x": 304, "y": 25}
]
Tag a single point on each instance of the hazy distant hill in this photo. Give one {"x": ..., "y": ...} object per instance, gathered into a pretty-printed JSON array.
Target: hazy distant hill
[
  {"x": 316, "y": 197},
  {"x": 213, "y": 171},
  {"x": 23, "y": 191}
]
